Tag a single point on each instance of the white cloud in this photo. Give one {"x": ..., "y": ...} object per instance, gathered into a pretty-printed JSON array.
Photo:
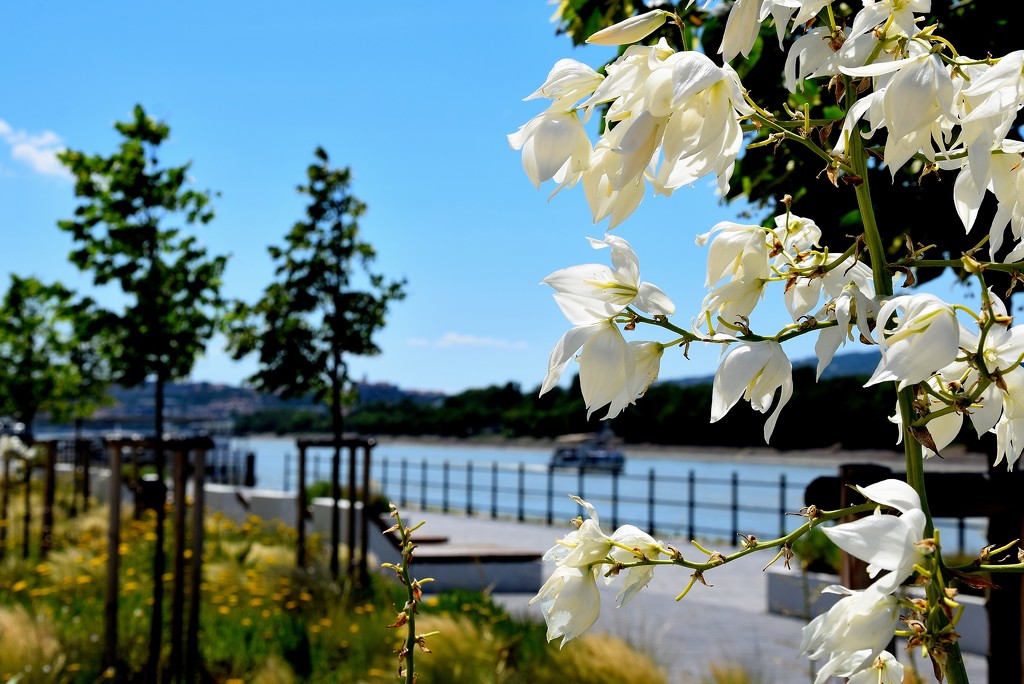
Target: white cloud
[
  {"x": 450, "y": 340},
  {"x": 37, "y": 150}
]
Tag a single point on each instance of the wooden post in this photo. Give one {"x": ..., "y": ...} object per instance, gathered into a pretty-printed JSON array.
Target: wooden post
[
  {"x": 137, "y": 482},
  {"x": 49, "y": 491},
  {"x": 27, "y": 518},
  {"x": 5, "y": 522},
  {"x": 113, "y": 556},
  {"x": 196, "y": 564},
  {"x": 995, "y": 495},
  {"x": 335, "y": 513},
  {"x": 350, "y": 527},
  {"x": 86, "y": 449},
  {"x": 76, "y": 478},
  {"x": 364, "y": 534},
  {"x": 300, "y": 513},
  {"x": 1005, "y": 606},
  {"x": 178, "y": 561}
]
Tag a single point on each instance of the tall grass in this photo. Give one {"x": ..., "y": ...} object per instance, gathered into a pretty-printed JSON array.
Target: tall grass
[{"x": 267, "y": 622}]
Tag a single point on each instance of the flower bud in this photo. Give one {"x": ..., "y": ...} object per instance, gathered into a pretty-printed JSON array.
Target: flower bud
[{"x": 631, "y": 30}]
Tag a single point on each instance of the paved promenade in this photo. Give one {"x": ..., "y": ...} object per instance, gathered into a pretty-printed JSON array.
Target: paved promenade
[{"x": 725, "y": 623}]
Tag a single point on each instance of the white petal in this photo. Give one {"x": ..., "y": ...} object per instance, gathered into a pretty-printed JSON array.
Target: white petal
[
  {"x": 892, "y": 493},
  {"x": 564, "y": 351},
  {"x": 602, "y": 367}
]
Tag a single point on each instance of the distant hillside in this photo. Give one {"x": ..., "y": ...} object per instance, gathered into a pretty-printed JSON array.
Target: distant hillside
[{"x": 193, "y": 402}]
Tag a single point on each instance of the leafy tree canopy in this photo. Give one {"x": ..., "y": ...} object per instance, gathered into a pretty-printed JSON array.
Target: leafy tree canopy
[
  {"x": 129, "y": 230},
  {"x": 49, "y": 352},
  {"x": 326, "y": 303}
]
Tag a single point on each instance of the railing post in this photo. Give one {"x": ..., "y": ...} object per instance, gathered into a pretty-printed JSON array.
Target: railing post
[
  {"x": 615, "y": 499},
  {"x": 961, "y": 532},
  {"x": 384, "y": 475},
  {"x": 551, "y": 496},
  {"x": 423, "y": 483},
  {"x": 651, "y": 524},
  {"x": 782, "y": 505},
  {"x": 250, "y": 469},
  {"x": 691, "y": 504},
  {"x": 284, "y": 480},
  {"x": 469, "y": 488},
  {"x": 521, "y": 513},
  {"x": 403, "y": 482},
  {"x": 444, "y": 487},
  {"x": 735, "y": 506},
  {"x": 494, "y": 489}
]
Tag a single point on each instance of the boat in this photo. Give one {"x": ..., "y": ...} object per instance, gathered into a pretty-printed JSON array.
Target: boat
[{"x": 587, "y": 453}]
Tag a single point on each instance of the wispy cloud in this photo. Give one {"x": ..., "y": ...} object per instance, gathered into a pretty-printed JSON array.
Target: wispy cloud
[
  {"x": 36, "y": 150},
  {"x": 451, "y": 340}
]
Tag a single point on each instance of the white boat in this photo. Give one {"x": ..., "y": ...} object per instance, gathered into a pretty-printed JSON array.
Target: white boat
[{"x": 587, "y": 453}]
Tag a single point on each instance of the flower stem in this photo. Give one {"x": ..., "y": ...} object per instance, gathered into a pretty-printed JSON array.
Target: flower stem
[{"x": 913, "y": 455}]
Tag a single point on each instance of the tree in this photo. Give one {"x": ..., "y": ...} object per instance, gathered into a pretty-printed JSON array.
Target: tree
[
  {"x": 326, "y": 304},
  {"x": 46, "y": 353},
  {"x": 122, "y": 235}
]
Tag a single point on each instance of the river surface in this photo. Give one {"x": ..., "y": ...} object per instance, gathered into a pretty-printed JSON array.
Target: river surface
[{"x": 271, "y": 453}]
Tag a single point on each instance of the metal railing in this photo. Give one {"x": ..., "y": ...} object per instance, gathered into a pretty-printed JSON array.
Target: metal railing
[
  {"x": 223, "y": 465},
  {"x": 690, "y": 505}
]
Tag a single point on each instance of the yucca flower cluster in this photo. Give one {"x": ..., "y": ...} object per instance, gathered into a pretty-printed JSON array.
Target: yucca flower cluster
[{"x": 671, "y": 118}]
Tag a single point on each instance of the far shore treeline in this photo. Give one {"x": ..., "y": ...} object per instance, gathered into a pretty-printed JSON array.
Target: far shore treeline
[{"x": 670, "y": 413}]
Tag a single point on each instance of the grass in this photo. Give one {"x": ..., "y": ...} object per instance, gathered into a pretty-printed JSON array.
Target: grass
[{"x": 264, "y": 620}]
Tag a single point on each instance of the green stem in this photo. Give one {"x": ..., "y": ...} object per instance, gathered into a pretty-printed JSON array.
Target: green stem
[
  {"x": 766, "y": 120},
  {"x": 1015, "y": 267},
  {"x": 412, "y": 599},
  {"x": 912, "y": 452},
  {"x": 721, "y": 559}
]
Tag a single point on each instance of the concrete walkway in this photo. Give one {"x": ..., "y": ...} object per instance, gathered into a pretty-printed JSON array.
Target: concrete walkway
[{"x": 727, "y": 623}]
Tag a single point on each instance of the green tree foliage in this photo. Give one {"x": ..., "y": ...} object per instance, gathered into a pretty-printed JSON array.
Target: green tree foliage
[
  {"x": 129, "y": 230},
  {"x": 915, "y": 203},
  {"x": 49, "y": 353},
  {"x": 282, "y": 421},
  {"x": 326, "y": 304}
]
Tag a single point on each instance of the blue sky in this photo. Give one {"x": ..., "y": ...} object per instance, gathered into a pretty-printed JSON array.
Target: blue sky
[{"x": 417, "y": 103}]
